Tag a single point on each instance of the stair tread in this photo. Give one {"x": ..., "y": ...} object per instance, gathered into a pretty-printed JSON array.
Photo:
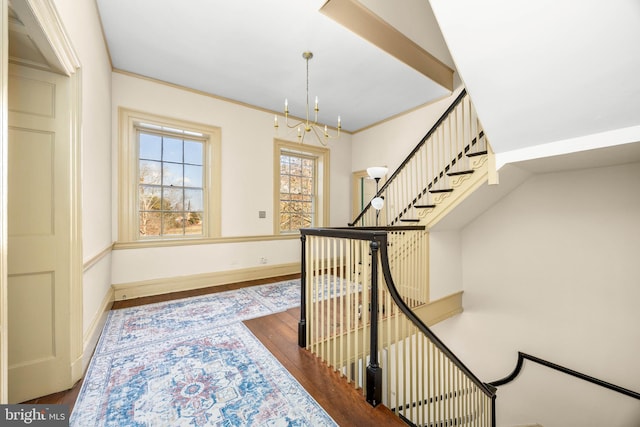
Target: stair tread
[
  {"x": 477, "y": 153},
  {"x": 425, "y": 206},
  {"x": 465, "y": 172},
  {"x": 409, "y": 220},
  {"x": 443, "y": 190}
]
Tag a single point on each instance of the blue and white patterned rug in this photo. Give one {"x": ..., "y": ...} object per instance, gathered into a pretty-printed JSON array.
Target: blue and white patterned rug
[{"x": 192, "y": 362}]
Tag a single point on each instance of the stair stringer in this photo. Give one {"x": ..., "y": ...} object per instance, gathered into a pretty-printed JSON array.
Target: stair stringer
[{"x": 463, "y": 186}]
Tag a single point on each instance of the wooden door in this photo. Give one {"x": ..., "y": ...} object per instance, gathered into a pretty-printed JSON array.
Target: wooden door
[{"x": 39, "y": 233}]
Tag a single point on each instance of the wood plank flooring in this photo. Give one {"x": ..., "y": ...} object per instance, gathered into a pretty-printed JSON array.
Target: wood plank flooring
[
  {"x": 346, "y": 405},
  {"x": 279, "y": 333}
]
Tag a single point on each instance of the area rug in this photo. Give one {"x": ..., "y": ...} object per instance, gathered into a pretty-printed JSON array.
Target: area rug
[{"x": 192, "y": 362}]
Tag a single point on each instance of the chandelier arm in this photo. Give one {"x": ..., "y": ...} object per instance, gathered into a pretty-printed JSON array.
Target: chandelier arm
[
  {"x": 295, "y": 125},
  {"x": 320, "y": 139}
]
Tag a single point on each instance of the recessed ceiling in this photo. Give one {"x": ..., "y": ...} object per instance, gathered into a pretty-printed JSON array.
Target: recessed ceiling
[{"x": 251, "y": 51}]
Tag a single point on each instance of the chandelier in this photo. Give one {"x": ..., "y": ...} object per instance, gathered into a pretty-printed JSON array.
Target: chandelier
[{"x": 306, "y": 126}]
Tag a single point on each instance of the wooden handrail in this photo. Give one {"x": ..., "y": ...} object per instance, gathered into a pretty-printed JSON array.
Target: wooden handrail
[
  {"x": 380, "y": 239},
  {"x": 487, "y": 389},
  {"x": 417, "y": 148},
  {"x": 522, "y": 356}
]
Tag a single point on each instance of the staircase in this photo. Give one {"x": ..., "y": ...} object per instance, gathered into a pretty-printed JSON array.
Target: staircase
[
  {"x": 450, "y": 162},
  {"x": 364, "y": 284},
  {"x": 365, "y": 304}
]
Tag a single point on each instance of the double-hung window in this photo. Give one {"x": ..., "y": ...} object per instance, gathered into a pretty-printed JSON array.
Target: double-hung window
[
  {"x": 297, "y": 191},
  {"x": 169, "y": 177},
  {"x": 302, "y": 186},
  {"x": 170, "y": 182}
]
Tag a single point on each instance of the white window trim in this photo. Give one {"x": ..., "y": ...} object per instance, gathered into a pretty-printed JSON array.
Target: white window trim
[
  {"x": 321, "y": 218},
  {"x": 128, "y": 175}
]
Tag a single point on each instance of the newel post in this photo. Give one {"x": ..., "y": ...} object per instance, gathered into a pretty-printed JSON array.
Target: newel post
[
  {"x": 302, "y": 324},
  {"x": 374, "y": 372}
]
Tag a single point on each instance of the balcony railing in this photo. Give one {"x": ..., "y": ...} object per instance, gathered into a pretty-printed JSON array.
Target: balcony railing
[{"x": 359, "y": 287}]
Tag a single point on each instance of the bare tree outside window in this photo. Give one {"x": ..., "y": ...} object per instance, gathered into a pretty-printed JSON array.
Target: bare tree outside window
[
  {"x": 297, "y": 191},
  {"x": 170, "y": 185}
]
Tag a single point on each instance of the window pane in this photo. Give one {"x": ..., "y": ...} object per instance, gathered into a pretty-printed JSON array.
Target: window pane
[
  {"x": 284, "y": 184},
  {"x": 193, "y": 200},
  {"x": 172, "y": 174},
  {"x": 295, "y": 185},
  {"x": 300, "y": 221},
  {"x": 194, "y": 223},
  {"x": 307, "y": 167},
  {"x": 193, "y": 152},
  {"x": 150, "y": 224},
  {"x": 173, "y": 223},
  {"x": 306, "y": 186},
  {"x": 192, "y": 176},
  {"x": 150, "y": 146},
  {"x": 172, "y": 198},
  {"x": 171, "y": 149},
  {"x": 285, "y": 222},
  {"x": 296, "y": 166},
  {"x": 149, "y": 198},
  {"x": 307, "y": 208},
  {"x": 150, "y": 172},
  {"x": 284, "y": 165}
]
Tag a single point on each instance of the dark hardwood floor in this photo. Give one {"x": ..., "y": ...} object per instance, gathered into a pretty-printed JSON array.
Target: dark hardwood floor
[
  {"x": 279, "y": 333},
  {"x": 346, "y": 405}
]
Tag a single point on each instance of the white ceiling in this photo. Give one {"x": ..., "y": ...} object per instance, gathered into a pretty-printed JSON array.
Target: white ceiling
[
  {"x": 538, "y": 72},
  {"x": 546, "y": 71},
  {"x": 251, "y": 51}
]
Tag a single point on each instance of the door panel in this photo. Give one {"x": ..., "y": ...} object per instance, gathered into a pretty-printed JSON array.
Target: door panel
[{"x": 39, "y": 233}]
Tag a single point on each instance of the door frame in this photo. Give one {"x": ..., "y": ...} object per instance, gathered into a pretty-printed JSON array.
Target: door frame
[{"x": 68, "y": 64}]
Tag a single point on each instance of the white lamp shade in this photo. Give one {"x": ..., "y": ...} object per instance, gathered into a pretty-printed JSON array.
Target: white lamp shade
[
  {"x": 377, "y": 203},
  {"x": 377, "y": 171}
]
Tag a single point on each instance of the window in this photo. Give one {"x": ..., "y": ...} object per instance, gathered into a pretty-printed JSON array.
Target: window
[
  {"x": 169, "y": 179},
  {"x": 170, "y": 182},
  {"x": 297, "y": 191},
  {"x": 301, "y": 194}
]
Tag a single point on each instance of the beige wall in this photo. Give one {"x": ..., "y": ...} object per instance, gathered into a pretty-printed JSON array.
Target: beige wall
[
  {"x": 247, "y": 183},
  {"x": 82, "y": 25},
  {"x": 388, "y": 143},
  {"x": 552, "y": 270}
]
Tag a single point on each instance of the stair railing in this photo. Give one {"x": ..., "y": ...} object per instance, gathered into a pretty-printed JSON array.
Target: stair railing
[
  {"x": 422, "y": 178},
  {"x": 524, "y": 356},
  {"x": 357, "y": 319}
]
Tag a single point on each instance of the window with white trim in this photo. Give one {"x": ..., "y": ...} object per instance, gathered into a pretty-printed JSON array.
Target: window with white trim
[{"x": 170, "y": 185}]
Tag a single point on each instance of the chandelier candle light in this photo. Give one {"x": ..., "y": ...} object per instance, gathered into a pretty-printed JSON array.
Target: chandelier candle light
[{"x": 305, "y": 126}]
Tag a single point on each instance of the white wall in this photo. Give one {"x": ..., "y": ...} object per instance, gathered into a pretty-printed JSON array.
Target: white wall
[
  {"x": 445, "y": 263},
  {"x": 83, "y": 27},
  {"x": 390, "y": 142},
  {"x": 552, "y": 270},
  {"x": 247, "y": 183}
]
